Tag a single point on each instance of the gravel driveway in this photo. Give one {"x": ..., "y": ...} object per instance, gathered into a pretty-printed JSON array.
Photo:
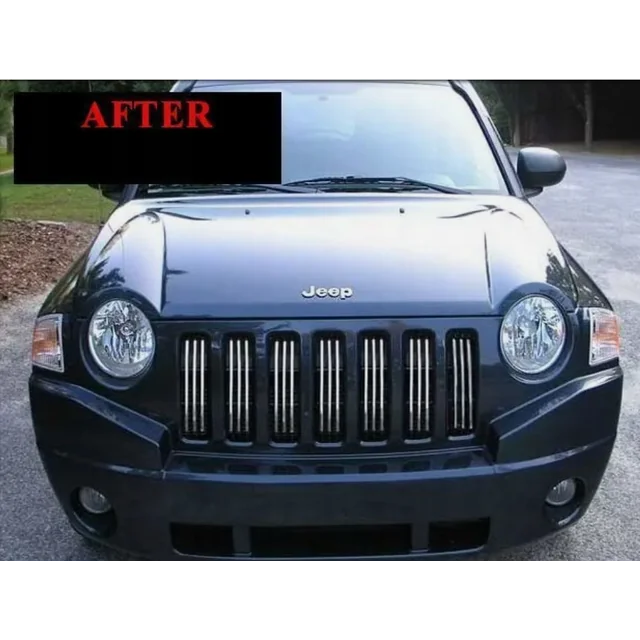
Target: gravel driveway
[{"x": 595, "y": 213}]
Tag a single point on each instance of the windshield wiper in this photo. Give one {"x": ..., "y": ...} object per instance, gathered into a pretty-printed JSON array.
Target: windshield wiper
[
  {"x": 356, "y": 183},
  {"x": 192, "y": 189}
]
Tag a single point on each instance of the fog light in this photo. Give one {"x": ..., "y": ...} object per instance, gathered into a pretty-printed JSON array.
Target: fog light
[
  {"x": 562, "y": 494},
  {"x": 93, "y": 501}
]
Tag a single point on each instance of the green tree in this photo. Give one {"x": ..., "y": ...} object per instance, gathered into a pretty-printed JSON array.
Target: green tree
[
  {"x": 9, "y": 87},
  {"x": 7, "y": 90},
  {"x": 101, "y": 85}
]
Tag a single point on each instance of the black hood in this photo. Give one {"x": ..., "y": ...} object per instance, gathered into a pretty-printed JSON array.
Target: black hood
[{"x": 251, "y": 257}]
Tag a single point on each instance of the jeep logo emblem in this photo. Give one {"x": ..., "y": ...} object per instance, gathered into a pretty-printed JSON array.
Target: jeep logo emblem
[{"x": 322, "y": 292}]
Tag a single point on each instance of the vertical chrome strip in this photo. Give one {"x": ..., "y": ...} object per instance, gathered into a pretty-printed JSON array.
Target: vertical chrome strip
[
  {"x": 330, "y": 387},
  {"x": 291, "y": 383},
  {"x": 337, "y": 343},
  {"x": 381, "y": 384},
  {"x": 419, "y": 420},
  {"x": 187, "y": 393},
  {"x": 239, "y": 370},
  {"x": 470, "y": 379},
  {"x": 276, "y": 395},
  {"x": 201, "y": 386},
  {"x": 426, "y": 393},
  {"x": 454, "y": 349},
  {"x": 246, "y": 387},
  {"x": 322, "y": 386},
  {"x": 463, "y": 391},
  {"x": 194, "y": 415},
  {"x": 374, "y": 390},
  {"x": 366, "y": 384},
  {"x": 285, "y": 366},
  {"x": 231, "y": 379},
  {"x": 411, "y": 382}
]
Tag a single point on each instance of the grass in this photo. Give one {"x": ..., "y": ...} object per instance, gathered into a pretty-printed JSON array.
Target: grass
[
  {"x": 6, "y": 160},
  {"x": 59, "y": 202}
]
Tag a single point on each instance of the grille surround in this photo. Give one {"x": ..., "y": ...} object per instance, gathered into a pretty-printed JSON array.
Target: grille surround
[{"x": 397, "y": 381}]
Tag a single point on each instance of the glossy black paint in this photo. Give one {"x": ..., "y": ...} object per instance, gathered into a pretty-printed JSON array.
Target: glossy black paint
[
  {"x": 214, "y": 264},
  {"x": 442, "y": 255},
  {"x": 539, "y": 168}
]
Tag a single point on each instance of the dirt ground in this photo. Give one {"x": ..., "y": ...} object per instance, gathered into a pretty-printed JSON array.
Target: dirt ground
[{"x": 33, "y": 255}]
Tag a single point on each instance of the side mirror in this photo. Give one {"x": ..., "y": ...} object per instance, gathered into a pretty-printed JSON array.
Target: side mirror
[
  {"x": 111, "y": 191},
  {"x": 538, "y": 168}
]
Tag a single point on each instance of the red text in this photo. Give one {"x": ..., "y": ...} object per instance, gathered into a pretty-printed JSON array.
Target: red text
[{"x": 149, "y": 114}]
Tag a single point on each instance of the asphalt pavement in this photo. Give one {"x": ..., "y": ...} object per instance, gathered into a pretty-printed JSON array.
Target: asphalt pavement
[{"x": 595, "y": 212}]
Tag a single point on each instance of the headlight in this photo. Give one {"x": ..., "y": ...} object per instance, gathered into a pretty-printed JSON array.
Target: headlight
[
  {"x": 605, "y": 336},
  {"x": 46, "y": 347},
  {"x": 121, "y": 339},
  {"x": 532, "y": 334}
]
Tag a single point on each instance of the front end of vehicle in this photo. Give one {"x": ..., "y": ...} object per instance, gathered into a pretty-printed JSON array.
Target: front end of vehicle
[
  {"x": 316, "y": 433},
  {"x": 386, "y": 355}
]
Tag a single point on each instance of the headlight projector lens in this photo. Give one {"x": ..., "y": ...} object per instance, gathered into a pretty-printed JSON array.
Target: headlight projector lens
[
  {"x": 121, "y": 339},
  {"x": 532, "y": 335}
]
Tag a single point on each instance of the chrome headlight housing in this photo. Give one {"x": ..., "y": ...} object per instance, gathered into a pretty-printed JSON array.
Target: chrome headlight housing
[
  {"x": 121, "y": 339},
  {"x": 532, "y": 334}
]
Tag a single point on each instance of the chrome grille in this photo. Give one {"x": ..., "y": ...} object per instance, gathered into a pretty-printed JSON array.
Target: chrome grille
[
  {"x": 194, "y": 388},
  {"x": 329, "y": 389},
  {"x": 284, "y": 367},
  {"x": 248, "y": 388},
  {"x": 462, "y": 384},
  {"x": 419, "y": 386},
  {"x": 239, "y": 366},
  {"x": 374, "y": 388}
]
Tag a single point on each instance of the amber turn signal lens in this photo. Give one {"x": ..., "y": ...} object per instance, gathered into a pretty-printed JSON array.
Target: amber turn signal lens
[
  {"x": 605, "y": 336},
  {"x": 46, "y": 348}
]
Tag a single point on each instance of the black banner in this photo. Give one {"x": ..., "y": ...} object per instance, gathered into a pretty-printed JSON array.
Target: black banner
[{"x": 159, "y": 138}]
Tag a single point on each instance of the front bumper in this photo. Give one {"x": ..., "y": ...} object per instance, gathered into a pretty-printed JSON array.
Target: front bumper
[{"x": 444, "y": 503}]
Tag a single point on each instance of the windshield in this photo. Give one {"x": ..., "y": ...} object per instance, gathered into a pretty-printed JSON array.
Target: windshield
[{"x": 423, "y": 132}]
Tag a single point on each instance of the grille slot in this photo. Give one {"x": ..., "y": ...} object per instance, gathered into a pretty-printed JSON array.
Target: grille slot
[
  {"x": 462, "y": 364},
  {"x": 194, "y": 388},
  {"x": 419, "y": 385},
  {"x": 284, "y": 374},
  {"x": 329, "y": 388},
  {"x": 375, "y": 388},
  {"x": 239, "y": 360}
]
